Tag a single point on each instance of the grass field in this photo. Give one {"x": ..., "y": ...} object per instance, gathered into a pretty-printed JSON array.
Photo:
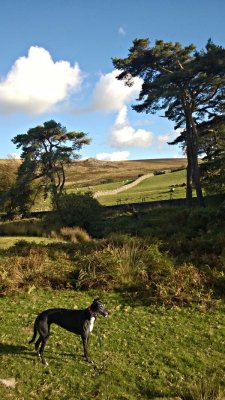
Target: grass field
[
  {"x": 151, "y": 189},
  {"x": 149, "y": 352}
]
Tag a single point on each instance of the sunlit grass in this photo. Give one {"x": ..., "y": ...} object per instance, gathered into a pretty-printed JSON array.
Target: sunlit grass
[
  {"x": 149, "y": 352},
  {"x": 155, "y": 188},
  {"x": 8, "y": 241}
]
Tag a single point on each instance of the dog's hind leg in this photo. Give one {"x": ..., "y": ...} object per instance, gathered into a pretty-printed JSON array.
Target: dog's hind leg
[
  {"x": 44, "y": 331},
  {"x": 37, "y": 344},
  {"x": 43, "y": 341}
]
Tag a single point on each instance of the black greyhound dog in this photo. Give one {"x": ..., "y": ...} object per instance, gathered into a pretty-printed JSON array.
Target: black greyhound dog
[{"x": 80, "y": 322}]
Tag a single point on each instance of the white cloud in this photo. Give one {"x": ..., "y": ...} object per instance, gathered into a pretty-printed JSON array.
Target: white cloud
[
  {"x": 36, "y": 83},
  {"x": 110, "y": 94},
  {"x": 115, "y": 156},
  {"x": 164, "y": 138},
  {"x": 121, "y": 31},
  {"x": 169, "y": 137},
  {"x": 124, "y": 135},
  {"x": 14, "y": 156}
]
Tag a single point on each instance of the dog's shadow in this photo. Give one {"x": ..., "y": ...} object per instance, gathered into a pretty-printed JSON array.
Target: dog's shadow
[
  {"x": 26, "y": 352},
  {"x": 6, "y": 349}
]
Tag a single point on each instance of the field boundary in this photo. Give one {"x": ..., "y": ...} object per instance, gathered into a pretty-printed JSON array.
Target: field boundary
[{"x": 124, "y": 187}]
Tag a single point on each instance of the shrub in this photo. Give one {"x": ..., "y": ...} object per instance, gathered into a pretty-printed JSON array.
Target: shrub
[
  {"x": 82, "y": 210},
  {"x": 186, "y": 284},
  {"x": 29, "y": 265},
  {"x": 96, "y": 270},
  {"x": 143, "y": 267}
]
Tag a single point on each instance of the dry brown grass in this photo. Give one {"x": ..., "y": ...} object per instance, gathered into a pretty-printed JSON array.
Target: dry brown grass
[
  {"x": 72, "y": 234},
  {"x": 93, "y": 172}
]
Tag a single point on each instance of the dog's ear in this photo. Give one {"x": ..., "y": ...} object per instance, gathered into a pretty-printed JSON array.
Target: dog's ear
[{"x": 97, "y": 299}]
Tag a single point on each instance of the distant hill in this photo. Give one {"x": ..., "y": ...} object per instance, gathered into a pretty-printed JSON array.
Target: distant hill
[{"x": 92, "y": 171}]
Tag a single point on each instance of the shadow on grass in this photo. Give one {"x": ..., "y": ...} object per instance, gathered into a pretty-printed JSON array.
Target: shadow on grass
[
  {"x": 12, "y": 349},
  {"x": 25, "y": 352},
  {"x": 16, "y": 350}
]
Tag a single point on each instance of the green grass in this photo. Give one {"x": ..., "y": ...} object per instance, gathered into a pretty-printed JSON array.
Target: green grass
[
  {"x": 8, "y": 241},
  {"x": 149, "y": 352},
  {"x": 151, "y": 189}
]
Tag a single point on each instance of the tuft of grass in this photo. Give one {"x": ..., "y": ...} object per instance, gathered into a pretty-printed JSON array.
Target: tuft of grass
[
  {"x": 206, "y": 388},
  {"x": 73, "y": 234}
]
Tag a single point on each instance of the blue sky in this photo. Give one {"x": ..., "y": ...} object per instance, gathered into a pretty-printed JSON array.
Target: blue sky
[{"x": 56, "y": 64}]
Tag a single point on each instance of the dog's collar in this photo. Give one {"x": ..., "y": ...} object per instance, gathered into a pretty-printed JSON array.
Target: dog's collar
[{"x": 91, "y": 312}]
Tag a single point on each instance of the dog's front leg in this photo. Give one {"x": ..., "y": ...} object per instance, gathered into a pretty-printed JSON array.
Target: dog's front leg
[{"x": 85, "y": 338}]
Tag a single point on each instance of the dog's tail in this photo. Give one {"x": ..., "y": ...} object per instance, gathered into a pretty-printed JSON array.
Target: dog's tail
[{"x": 35, "y": 333}]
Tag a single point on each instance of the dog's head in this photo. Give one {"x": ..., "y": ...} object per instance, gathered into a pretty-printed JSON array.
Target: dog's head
[{"x": 98, "y": 307}]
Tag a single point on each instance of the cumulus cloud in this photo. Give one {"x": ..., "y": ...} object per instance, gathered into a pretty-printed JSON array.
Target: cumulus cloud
[
  {"x": 36, "y": 83},
  {"x": 124, "y": 135},
  {"x": 110, "y": 94},
  {"x": 115, "y": 156}
]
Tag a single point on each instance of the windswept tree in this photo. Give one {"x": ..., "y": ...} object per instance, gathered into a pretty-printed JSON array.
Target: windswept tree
[
  {"x": 188, "y": 85},
  {"x": 46, "y": 150}
]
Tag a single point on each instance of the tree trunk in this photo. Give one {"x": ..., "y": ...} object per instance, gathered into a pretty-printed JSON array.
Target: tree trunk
[
  {"x": 189, "y": 177},
  {"x": 192, "y": 153},
  {"x": 196, "y": 174}
]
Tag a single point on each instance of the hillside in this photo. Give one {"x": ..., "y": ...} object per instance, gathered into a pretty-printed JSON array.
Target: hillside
[{"x": 92, "y": 172}]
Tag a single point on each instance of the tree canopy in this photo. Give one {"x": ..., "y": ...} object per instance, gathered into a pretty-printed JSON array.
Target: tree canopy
[
  {"x": 189, "y": 86},
  {"x": 46, "y": 150}
]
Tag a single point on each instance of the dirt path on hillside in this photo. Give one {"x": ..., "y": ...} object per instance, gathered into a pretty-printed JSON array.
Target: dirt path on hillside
[{"x": 122, "y": 188}]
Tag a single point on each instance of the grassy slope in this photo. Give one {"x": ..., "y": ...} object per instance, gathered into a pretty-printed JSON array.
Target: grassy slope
[
  {"x": 148, "y": 352},
  {"x": 151, "y": 189}
]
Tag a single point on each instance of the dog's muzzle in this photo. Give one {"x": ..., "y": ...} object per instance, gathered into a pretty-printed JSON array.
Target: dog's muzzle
[{"x": 104, "y": 313}]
